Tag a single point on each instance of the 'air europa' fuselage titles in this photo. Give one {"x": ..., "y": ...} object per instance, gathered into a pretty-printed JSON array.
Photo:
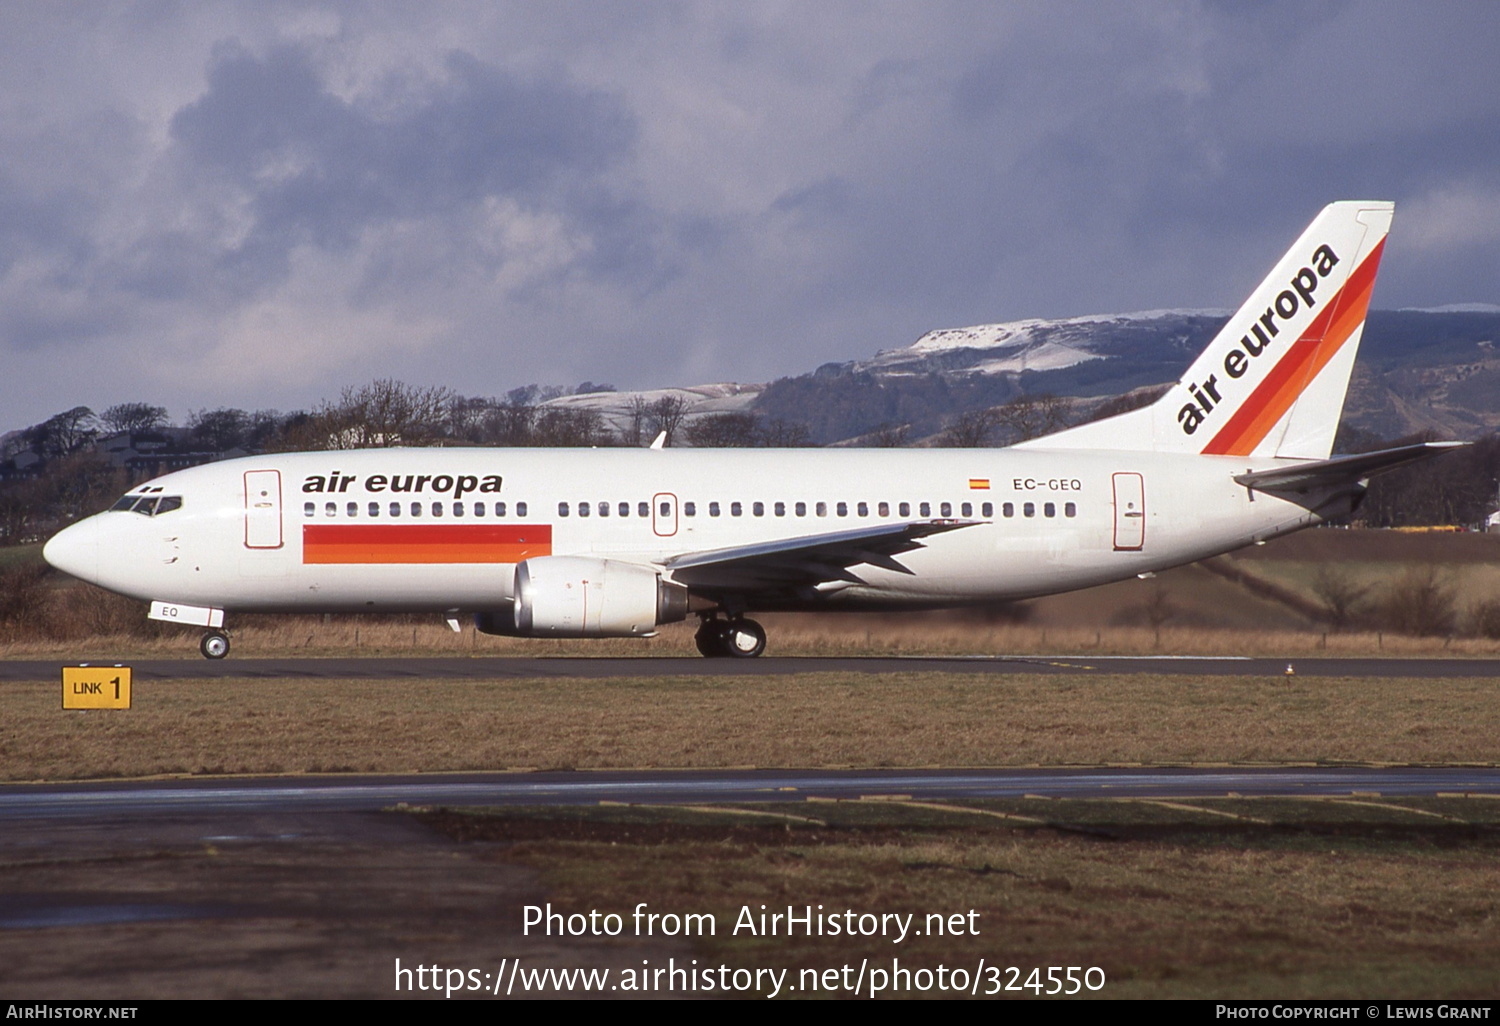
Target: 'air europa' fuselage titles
[
  {"x": 1299, "y": 294},
  {"x": 438, "y": 484}
]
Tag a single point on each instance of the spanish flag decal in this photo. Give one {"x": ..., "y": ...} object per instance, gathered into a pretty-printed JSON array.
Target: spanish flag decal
[
  {"x": 424, "y": 543},
  {"x": 979, "y": 484}
]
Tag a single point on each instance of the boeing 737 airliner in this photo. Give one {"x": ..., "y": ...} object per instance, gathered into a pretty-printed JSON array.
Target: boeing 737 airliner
[{"x": 616, "y": 542}]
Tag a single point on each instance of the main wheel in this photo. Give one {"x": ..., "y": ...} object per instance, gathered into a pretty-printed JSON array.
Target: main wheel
[
  {"x": 744, "y": 639},
  {"x": 710, "y": 639},
  {"x": 214, "y": 645}
]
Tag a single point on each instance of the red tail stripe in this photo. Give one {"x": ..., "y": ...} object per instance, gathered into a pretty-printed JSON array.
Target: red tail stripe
[{"x": 1324, "y": 337}]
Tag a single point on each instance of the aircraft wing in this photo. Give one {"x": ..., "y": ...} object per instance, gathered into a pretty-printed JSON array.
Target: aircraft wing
[
  {"x": 1340, "y": 470},
  {"x": 811, "y": 559}
]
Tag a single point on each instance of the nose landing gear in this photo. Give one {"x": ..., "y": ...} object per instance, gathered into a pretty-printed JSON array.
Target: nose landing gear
[
  {"x": 214, "y": 645},
  {"x": 736, "y": 637}
]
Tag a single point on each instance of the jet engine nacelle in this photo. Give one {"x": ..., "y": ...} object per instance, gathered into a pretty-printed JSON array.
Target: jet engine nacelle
[{"x": 583, "y": 597}]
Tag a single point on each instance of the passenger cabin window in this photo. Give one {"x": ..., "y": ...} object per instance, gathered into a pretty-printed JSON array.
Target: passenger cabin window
[
  {"x": 801, "y": 509},
  {"x": 458, "y": 509},
  {"x": 604, "y": 509},
  {"x": 863, "y": 509},
  {"x": 689, "y": 509},
  {"x": 1049, "y": 509},
  {"x": 395, "y": 509},
  {"x": 713, "y": 509},
  {"x": 583, "y": 509},
  {"x": 904, "y": 509},
  {"x": 1029, "y": 509},
  {"x": 735, "y": 509},
  {"x": 987, "y": 510},
  {"x": 780, "y": 509},
  {"x": 884, "y": 509},
  {"x": 666, "y": 509},
  {"x": 308, "y": 508},
  {"x": 562, "y": 509},
  {"x": 437, "y": 509},
  {"x": 374, "y": 509},
  {"x": 520, "y": 509},
  {"x": 330, "y": 509},
  {"x": 759, "y": 509},
  {"x": 946, "y": 509},
  {"x": 821, "y": 509},
  {"x": 416, "y": 509},
  {"x": 842, "y": 509},
  {"x": 1070, "y": 509},
  {"x": 966, "y": 510},
  {"x": 1008, "y": 509},
  {"x": 925, "y": 509},
  {"x": 624, "y": 509},
  {"x": 642, "y": 509},
  {"x": 352, "y": 509},
  {"x": 479, "y": 509}
]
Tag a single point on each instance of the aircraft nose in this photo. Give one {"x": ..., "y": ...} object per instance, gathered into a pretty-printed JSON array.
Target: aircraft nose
[{"x": 75, "y": 550}]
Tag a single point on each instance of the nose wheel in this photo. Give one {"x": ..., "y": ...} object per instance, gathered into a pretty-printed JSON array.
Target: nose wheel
[
  {"x": 739, "y": 638},
  {"x": 214, "y": 645}
]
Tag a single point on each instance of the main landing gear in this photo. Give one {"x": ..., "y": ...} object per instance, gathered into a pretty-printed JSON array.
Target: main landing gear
[
  {"x": 214, "y": 645},
  {"x": 737, "y": 637}
]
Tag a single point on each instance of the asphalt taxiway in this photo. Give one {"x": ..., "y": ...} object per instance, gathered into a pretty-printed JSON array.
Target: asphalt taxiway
[
  {"x": 510, "y": 667},
  {"x": 659, "y": 787}
]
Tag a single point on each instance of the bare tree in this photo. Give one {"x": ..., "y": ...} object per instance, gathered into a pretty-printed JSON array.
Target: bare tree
[
  {"x": 220, "y": 429},
  {"x": 1340, "y": 594},
  {"x": 723, "y": 431},
  {"x": 63, "y": 433},
  {"x": 573, "y": 426},
  {"x": 385, "y": 412},
  {"x": 639, "y": 412},
  {"x": 780, "y": 434},
  {"x": 969, "y": 430},
  {"x": 1031, "y": 416},
  {"x": 133, "y": 417},
  {"x": 667, "y": 413},
  {"x": 1421, "y": 602},
  {"x": 1159, "y": 608}
]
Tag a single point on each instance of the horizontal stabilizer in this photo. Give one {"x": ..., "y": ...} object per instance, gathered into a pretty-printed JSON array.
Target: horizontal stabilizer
[{"x": 1339, "y": 470}]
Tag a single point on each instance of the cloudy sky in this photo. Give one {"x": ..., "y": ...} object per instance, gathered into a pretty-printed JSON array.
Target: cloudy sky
[{"x": 255, "y": 204}]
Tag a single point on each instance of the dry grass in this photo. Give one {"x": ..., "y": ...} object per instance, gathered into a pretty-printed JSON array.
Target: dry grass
[
  {"x": 1323, "y": 903},
  {"x": 807, "y": 720},
  {"x": 790, "y": 635}
]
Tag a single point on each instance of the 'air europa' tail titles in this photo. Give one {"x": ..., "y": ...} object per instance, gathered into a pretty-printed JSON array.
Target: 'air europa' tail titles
[{"x": 1272, "y": 382}]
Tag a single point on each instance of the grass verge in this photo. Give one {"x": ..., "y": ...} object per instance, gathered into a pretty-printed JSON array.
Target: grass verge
[
  {"x": 802, "y": 720},
  {"x": 1243, "y": 898}
]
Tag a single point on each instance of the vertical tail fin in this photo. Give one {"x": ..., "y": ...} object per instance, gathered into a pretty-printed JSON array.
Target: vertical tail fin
[{"x": 1272, "y": 382}]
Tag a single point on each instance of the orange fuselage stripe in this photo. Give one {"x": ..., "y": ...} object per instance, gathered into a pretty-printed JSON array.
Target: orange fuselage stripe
[
  {"x": 1324, "y": 337},
  {"x": 424, "y": 543}
]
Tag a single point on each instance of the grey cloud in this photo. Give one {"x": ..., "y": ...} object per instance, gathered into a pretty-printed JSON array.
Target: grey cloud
[{"x": 319, "y": 169}]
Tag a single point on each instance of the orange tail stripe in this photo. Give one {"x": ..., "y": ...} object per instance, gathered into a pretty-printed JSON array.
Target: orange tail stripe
[
  {"x": 424, "y": 543},
  {"x": 1324, "y": 337}
]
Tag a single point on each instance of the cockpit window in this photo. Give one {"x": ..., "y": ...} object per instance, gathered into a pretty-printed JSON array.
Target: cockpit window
[{"x": 148, "y": 505}]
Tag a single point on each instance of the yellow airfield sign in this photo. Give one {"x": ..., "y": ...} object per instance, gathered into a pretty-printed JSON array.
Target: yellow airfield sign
[{"x": 96, "y": 687}]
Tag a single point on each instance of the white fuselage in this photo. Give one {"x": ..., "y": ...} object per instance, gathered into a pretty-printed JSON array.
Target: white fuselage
[{"x": 442, "y": 529}]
